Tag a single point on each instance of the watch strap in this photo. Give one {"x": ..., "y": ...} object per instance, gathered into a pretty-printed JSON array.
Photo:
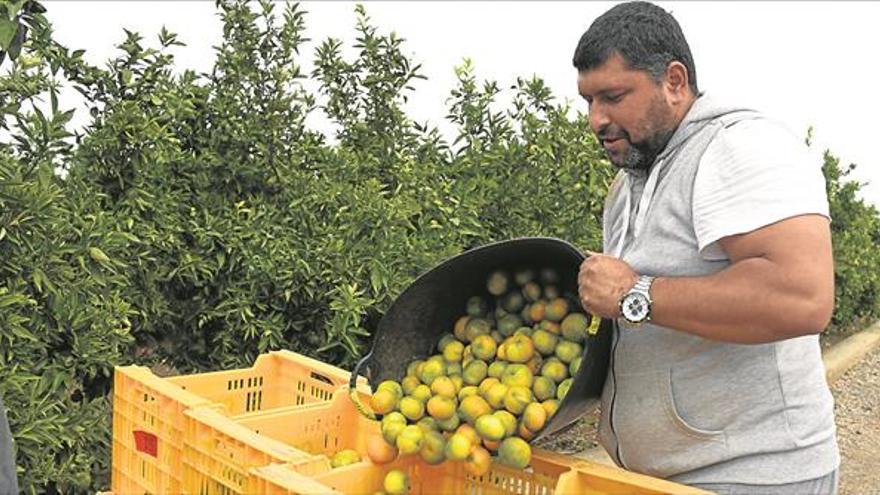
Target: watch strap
[{"x": 643, "y": 284}]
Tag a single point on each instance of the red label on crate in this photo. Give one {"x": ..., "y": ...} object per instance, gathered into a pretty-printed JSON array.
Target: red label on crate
[{"x": 146, "y": 442}]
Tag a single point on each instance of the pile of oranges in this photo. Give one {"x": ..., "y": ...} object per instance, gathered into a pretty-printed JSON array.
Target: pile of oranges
[{"x": 495, "y": 380}]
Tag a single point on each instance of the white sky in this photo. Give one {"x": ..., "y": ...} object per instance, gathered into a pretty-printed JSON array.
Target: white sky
[{"x": 806, "y": 63}]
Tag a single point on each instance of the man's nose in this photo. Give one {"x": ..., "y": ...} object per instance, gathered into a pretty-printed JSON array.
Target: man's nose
[{"x": 598, "y": 119}]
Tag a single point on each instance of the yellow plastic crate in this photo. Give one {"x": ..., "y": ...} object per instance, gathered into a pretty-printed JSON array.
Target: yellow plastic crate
[
  {"x": 149, "y": 421},
  {"x": 324, "y": 429},
  {"x": 548, "y": 473},
  {"x": 218, "y": 454}
]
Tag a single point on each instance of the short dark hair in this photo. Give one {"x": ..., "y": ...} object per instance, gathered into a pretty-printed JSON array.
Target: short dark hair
[{"x": 646, "y": 36}]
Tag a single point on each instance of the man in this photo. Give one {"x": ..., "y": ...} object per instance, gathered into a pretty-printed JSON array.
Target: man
[
  {"x": 8, "y": 480},
  {"x": 717, "y": 269}
]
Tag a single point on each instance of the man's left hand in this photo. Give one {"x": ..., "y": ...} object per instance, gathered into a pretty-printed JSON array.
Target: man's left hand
[{"x": 602, "y": 282}]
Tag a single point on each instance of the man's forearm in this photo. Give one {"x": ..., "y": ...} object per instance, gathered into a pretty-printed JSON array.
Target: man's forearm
[{"x": 752, "y": 301}]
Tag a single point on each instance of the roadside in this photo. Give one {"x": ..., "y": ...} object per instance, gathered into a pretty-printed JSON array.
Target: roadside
[{"x": 857, "y": 410}]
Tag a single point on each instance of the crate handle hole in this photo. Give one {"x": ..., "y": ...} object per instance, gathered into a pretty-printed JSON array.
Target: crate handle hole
[{"x": 321, "y": 378}]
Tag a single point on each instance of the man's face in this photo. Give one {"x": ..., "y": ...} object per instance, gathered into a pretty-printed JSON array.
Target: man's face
[{"x": 629, "y": 112}]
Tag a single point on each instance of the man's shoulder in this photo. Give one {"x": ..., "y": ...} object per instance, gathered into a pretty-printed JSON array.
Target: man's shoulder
[{"x": 753, "y": 136}]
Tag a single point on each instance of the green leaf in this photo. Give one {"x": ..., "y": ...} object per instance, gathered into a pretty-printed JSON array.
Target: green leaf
[
  {"x": 99, "y": 255},
  {"x": 7, "y": 32}
]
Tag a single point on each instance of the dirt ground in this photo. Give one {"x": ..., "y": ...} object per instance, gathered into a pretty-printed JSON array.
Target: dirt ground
[{"x": 857, "y": 410}]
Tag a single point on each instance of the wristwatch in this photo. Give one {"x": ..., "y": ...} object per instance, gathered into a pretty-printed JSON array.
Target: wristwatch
[{"x": 635, "y": 305}]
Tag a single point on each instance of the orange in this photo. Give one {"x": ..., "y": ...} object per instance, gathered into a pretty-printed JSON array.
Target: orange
[
  {"x": 445, "y": 340},
  {"x": 496, "y": 369},
  {"x": 527, "y": 331},
  {"x": 534, "y": 364},
  {"x": 458, "y": 381},
  {"x": 470, "y": 433},
  {"x": 473, "y": 407},
  {"x": 344, "y": 458},
  {"x": 509, "y": 421},
  {"x": 467, "y": 391},
  {"x": 379, "y": 451},
  {"x": 531, "y": 291},
  {"x": 545, "y": 342},
  {"x": 478, "y": 462},
  {"x": 484, "y": 347},
  {"x": 490, "y": 427},
  {"x": 486, "y": 384},
  {"x": 495, "y": 395},
  {"x": 534, "y": 416},
  {"x": 476, "y": 306},
  {"x": 524, "y": 433},
  {"x": 518, "y": 374},
  {"x": 550, "y": 405},
  {"x": 460, "y": 325},
  {"x": 421, "y": 393},
  {"x": 383, "y": 402},
  {"x": 396, "y": 482},
  {"x": 440, "y": 407},
  {"x": 567, "y": 351},
  {"x": 427, "y": 424},
  {"x": 574, "y": 327},
  {"x": 443, "y": 386},
  {"x": 433, "y": 449},
  {"x": 508, "y": 324},
  {"x": 458, "y": 447},
  {"x": 517, "y": 398},
  {"x": 413, "y": 367},
  {"x": 513, "y": 302},
  {"x": 392, "y": 425},
  {"x": 476, "y": 327},
  {"x": 449, "y": 424},
  {"x": 497, "y": 283},
  {"x": 409, "y": 383},
  {"x": 435, "y": 366},
  {"x": 453, "y": 369},
  {"x": 549, "y": 326},
  {"x": 412, "y": 408},
  {"x": 393, "y": 386},
  {"x": 556, "y": 309},
  {"x": 410, "y": 439},
  {"x": 514, "y": 452},
  {"x": 537, "y": 311},
  {"x": 554, "y": 369},
  {"x": 519, "y": 348},
  {"x": 544, "y": 388},
  {"x": 551, "y": 292},
  {"x": 475, "y": 372},
  {"x": 453, "y": 351}
]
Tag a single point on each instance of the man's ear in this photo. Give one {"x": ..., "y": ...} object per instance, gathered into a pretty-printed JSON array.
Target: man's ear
[{"x": 676, "y": 81}]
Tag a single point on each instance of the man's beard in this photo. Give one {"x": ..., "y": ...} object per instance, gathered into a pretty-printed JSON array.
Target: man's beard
[{"x": 641, "y": 155}]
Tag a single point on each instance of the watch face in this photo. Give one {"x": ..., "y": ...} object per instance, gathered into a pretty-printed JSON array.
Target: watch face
[{"x": 635, "y": 307}]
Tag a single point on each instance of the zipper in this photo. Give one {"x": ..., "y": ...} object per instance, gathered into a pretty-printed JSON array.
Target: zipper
[{"x": 614, "y": 394}]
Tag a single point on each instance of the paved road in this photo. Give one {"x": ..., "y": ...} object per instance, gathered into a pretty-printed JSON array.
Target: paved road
[{"x": 857, "y": 408}]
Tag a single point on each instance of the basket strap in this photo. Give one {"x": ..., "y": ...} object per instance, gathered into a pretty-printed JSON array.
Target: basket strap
[
  {"x": 361, "y": 408},
  {"x": 594, "y": 325},
  {"x": 353, "y": 392}
]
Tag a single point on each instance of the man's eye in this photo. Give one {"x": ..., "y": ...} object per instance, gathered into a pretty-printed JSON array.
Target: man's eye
[{"x": 614, "y": 98}]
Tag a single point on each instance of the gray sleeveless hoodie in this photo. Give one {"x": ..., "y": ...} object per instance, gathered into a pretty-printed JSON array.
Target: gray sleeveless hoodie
[{"x": 681, "y": 407}]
